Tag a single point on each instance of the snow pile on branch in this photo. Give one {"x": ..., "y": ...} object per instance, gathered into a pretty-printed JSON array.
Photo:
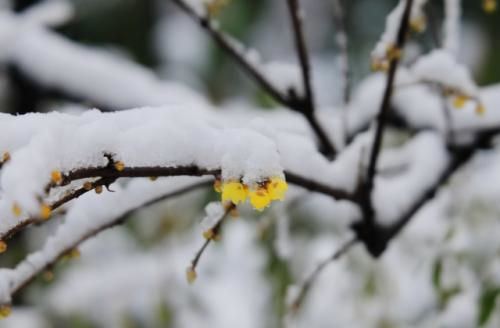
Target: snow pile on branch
[
  {"x": 91, "y": 214},
  {"x": 392, "y": 23},
  {"x": 441, "y": 67},
  {"x": 166, "y": 137}
]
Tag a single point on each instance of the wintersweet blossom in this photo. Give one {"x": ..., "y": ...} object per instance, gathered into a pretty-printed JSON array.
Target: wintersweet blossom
[{"x": 260, "y": 195}]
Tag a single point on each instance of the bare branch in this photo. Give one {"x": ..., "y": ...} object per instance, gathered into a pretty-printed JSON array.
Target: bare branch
[
  {"x": 291, "y": 101},
  {"x": 306, "y": 103},
  {"x": 342, "y": 44},
  {"x": 309, "y": 281},
  {"x": 227, "y": 45},
  {"x": 368, "y": 229},
  {"x": 215, "y": 231},
  {"x": 63, "y": 200}
]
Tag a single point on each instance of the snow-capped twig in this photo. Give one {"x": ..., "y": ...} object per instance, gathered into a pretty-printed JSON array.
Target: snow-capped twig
[
  {"x": 309, "y": 281},
  {"x": 368, "y": 185},
  {"x": 55, "y": 205},
  {"x": 214, "y": 234},
  {"x": 41, "y": 266}
]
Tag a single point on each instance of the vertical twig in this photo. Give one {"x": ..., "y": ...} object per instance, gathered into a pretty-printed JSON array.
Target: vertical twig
[
  {"x": 342, "y": 44},
  {"x": 306, "y": 101},
  {"x": 367, "y": 230}
]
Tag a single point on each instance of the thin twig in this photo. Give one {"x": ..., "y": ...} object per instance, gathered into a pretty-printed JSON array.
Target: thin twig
[
  {"x": 309, "y": 281},
  {"x": 235, "y": 52},
  {"x": 367, "y": 187},
  {"x": 342, "y": 44},
  {"x": 20, "y": 285},
  {"x": 55, "y": 205},
  {"x": 215, "y": 230},
  {"x": 306, "y": 102}
]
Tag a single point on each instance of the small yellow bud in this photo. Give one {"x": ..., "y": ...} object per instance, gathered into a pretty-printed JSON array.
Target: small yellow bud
[
  {"x": 234, "y": 213},
  {"x": 208, "y": 234},
  {"x": 460, "y": 100},
  {"x": 45, "y": 211},
  {"x": 5, "y": 311},
  {"x": 380, "y": 65},
  {"x": 393, "y": 52},
  {"x": 48, "y": 275},
  {"x": 5, "y": 157},
  {"x": 418, "y": 24},
  {"x": 119, "y": 166},
  {"x": 56, "y": 176},
  {"x": 16, "y": 209},
  {"x": 217, "y": 185},
  {"x": 73, "y": 253},
  {"x": 153, "y": 178},
  {"x": 191, "y": 275},
  {"x": 489, "y": 6},
  {"x": 98, "y": 190},
  {"x": 87, "y": 185},
  {"x": 3, "y": 246},
  {"x": 215, "y": 6},
  {"x": 480, "y": 109}
]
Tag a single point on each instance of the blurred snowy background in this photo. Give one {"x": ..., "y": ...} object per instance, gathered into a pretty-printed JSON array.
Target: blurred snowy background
[{"x": 442, "y": 271}]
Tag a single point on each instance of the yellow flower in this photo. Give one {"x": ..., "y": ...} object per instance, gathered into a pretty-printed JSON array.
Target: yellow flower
[
  {"x": 260, "y": 198},
  {"x": 489, "y": 6},
  {"x": 234, "y": 191},
  {"x": 460, "y": 101},
  {"x": 277, "y": 187}
]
